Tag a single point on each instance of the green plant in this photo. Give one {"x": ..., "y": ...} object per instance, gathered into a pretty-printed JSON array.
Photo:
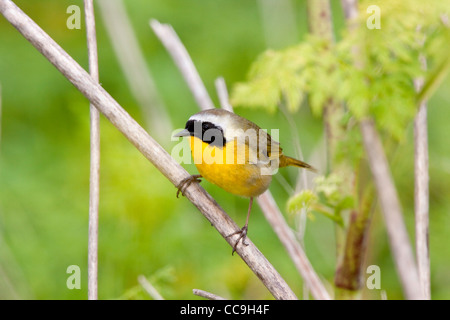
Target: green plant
[{"x": 367, "y": 74}]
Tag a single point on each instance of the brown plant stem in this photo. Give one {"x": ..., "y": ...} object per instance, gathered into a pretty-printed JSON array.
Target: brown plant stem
[
  {"x": 181, "y": 57},
  {"x": 350, "y": 248},
  {"x": 387, "y": 193},
  {"x": 349, "y": 273}
]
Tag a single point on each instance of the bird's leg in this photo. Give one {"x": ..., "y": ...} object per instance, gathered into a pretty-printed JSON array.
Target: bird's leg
[
  {"x": 243, "y": 232},
  {"x": 186, "y": 182}
]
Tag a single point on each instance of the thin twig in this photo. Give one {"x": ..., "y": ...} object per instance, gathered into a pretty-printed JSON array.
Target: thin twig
[
  {"x": 135, "y": 69},
  {"x": 207, "y": 295},
  {"x": 94, "y": 178},
  {"x": 293, "y": 247},
  {"x": 302, "y": 178},
  {"x": 222, "y": 92},
  {"x": 149, "y": 288},
  {"x": 172, "y": 170},
  {"x": 421, "y": 190},
  {"x": 179, "y": 54},
  {"x": 392, "y": 211}
]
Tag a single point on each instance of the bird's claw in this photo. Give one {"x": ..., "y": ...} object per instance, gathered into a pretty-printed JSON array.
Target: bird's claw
[
  {"x": 186, "y": 183},
  {"x": 242, "y": 236}
]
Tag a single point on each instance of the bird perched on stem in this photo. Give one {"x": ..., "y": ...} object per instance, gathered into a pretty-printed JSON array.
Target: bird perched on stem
[{"x": 234, "y": 154}]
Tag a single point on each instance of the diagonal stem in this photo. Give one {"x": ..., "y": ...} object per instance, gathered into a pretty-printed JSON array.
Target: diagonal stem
[
  {"x": 392, "y": 211},
  {"x": 103, "y": 101}
]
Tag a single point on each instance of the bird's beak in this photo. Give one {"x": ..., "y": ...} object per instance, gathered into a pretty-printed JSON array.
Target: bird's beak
[{"x": 182, "y": 133}]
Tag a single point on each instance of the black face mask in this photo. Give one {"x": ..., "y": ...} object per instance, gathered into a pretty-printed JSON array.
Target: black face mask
[{"x": 207, "y": 132}]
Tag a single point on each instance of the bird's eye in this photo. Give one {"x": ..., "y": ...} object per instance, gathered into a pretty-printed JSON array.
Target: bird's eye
[
  {"x": 207, "y": 126},
  {"x": 212, "y": 134}
]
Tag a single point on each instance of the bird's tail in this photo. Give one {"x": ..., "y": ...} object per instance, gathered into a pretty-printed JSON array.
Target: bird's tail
[{"x": 288, "y": 161}]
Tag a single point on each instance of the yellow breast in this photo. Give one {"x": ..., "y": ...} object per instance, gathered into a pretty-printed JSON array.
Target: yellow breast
[{"x": 229, "y": 167}]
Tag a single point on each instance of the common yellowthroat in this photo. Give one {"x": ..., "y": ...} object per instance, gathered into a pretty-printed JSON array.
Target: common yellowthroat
[{"x": 235, "y": 154}]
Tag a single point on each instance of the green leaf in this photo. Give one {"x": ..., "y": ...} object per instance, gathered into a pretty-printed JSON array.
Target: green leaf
[
  {"x": 301, "y": 200},
  {"x": 434, "y": 81}
]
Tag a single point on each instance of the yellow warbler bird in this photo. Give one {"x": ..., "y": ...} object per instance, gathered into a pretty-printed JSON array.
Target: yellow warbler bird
[{"x": 234, "y": 154}]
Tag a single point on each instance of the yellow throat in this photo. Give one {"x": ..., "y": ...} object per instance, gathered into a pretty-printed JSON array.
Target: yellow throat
[{"x": 230, "y": 169}]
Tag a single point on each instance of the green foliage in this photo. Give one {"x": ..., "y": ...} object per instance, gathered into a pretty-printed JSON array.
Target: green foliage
[
  {"x": 284, "y": 75},
  {"x": 331, "y": 192},
  {"x": 328, "y": 198},
  {"x": 349, "y": 148},
  {"x": 371, "y": 71},
  {"x": 301, "y": 200},
  {"x": 366, "y": 73}
]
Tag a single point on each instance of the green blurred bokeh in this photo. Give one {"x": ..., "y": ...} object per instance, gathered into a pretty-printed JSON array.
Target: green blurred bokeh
[{"x": 144, "y": 229}]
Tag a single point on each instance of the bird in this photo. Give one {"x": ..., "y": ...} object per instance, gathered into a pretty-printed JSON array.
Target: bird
[{"x": 234, "y": 154}]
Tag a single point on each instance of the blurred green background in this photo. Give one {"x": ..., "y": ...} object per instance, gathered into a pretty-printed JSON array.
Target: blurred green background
[{"x": 144, "y": 229}]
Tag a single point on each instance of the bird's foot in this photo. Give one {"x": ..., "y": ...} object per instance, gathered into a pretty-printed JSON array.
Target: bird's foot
[
  {"x": 242, "y": 236},
  {"x": 187, "y": 182}
]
